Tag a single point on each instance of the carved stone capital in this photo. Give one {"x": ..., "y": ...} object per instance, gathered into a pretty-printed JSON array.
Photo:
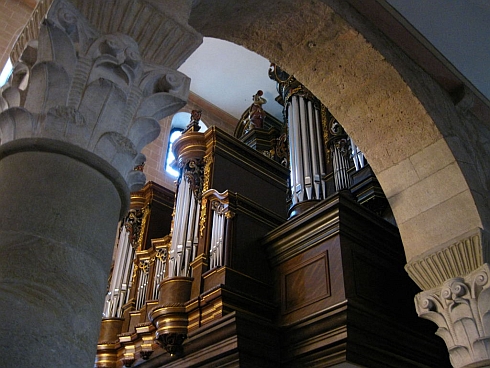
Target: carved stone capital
[
  {"x": 160, "y": 27},
  {"x": 460, "y": 308},
  {"x": 91, "y": 90},
  {"x": 456, "y": 258}
]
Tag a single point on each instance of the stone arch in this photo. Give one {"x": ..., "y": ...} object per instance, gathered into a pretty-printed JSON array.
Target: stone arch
[{"x": 408, "y": 127}]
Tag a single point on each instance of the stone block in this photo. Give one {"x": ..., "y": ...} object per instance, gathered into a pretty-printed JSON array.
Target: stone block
[
  {"x": 428, "y": 193},
  {"x": 432, "y": 158},
  {"x": 397, "y": 178},
  {"x": 439, "y": 224}
]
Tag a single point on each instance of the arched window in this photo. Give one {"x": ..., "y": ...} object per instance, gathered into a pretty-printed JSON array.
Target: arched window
[
  {"x": 7, "y": 70},
  {"x": 174, "y": 134},
  {"x": 179, "y": 123}
]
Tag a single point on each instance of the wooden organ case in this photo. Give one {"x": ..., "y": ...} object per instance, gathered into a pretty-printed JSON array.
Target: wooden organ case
[{"x": 240, "y": 285}]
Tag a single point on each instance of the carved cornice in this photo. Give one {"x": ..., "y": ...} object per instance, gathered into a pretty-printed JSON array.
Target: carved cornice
[
  {"x": 90, "y": 90},
  {"x": 455, "y": 259},
  {"x": 460, "y": 308}
]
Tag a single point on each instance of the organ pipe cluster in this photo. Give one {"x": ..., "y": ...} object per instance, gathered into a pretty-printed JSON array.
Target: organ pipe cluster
[{"x": 318, "y": 144}]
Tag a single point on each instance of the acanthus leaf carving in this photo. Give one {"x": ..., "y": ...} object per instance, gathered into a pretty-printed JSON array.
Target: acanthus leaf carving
[
  {"x": 56, "y": 46},
  {"x": 460, "y": 308},
  {"x": 91, "y": 90}
]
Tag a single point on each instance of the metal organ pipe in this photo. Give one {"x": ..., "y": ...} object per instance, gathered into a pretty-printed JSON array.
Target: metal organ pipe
[
  {"x": 184, "y": 238},
  {"x": 217, "y": 237},
  {"x": 179, "y": 221},
  {"x": 159, "y": 272},
  {"x": 142, "y": 285},
  {"x": 322, "y": 170},
  {"x": 297, "y": 185},
  {"x": 340, "y": 165},
  {"x": 306, "y": 150},
  {"x": 121, "y": 276},
  {"x": 357, "y": 156}
]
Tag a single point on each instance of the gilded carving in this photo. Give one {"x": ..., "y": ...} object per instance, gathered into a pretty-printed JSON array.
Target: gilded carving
[
  {"x": 161, "y": 254},
  {"x": 288, "y": 86},
  {"x": 193, "y": 174},
  {"x": 229, "y": 214},
  {"x": 208, "y": 161},
  {"x": 144, "y": 265},
  {"x": 133, "y": 225},
  {"x": 203, "y": 217},
  {"x": 146, "y": 212},
  {"x": 325, "y": 123}
]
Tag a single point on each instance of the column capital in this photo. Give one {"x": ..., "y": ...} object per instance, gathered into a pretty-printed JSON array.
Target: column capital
[
  {"x": 89, "y": 89},
  {"x": 456, "y": 258},
  {"x": 460, "y": 308}
]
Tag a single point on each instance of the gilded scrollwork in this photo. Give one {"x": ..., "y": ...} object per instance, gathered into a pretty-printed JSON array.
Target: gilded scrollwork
[
  {"x": 135, "y": 223},
  {"x": 203, "y": 217},
  {"x": 144, "y": 265},
  {"x": 193, "y": 174},
  {"x": 132, "y": 223},
  {"x": 218, "y": 207},
  {"x": 208, "y": 162},
  {"x": 229, "y": 215},
  {"x": 288, "y": 86},
  {"x": 325, "y": 120},
  {"x": 161, "y": 254}
]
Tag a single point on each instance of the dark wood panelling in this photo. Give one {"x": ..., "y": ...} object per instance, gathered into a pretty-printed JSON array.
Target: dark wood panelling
[
  {"x": 344, "y": 296},
  {"x": 308, "y": 290},
  {"x": 305, "y": 284}
]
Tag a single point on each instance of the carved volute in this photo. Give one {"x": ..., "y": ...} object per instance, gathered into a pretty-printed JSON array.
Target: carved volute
[{"x": 89, "y": 90}]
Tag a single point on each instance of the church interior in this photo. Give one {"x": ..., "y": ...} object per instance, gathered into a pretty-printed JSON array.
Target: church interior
[{"x": 336, "y": 217}]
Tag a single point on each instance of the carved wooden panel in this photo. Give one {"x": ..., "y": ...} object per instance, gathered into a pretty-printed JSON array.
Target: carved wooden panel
[{"x": 305, "y": 284}]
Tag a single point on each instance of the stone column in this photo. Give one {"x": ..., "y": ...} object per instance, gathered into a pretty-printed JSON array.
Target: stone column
[
  {"x": 81, "y": 104},
  {"x": 456, "y": 283}
]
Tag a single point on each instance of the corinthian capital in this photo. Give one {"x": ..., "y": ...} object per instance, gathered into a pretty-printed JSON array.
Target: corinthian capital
[
  {"x": 91, "y": 90},
  {"x": 461, "y": 310}
]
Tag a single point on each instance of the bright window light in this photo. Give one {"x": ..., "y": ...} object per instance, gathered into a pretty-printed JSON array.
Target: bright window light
[
  {"x": 7, "y": 70},
  {"x": 174, "y": 134},
  {"x": 179, "y": 123}
]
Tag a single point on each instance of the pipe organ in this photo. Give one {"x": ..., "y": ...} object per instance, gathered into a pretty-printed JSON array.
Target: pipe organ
[
  {"x": 221, "y": 218},
  {"x": 306, "y": 144},
  {"x": 228, "y": 280},
  {"x": 184, "y": 237},
  {"x": 338, "y": 146},
  {"x": 121, "y": 280},
  {"x": 320, "y": 150}
]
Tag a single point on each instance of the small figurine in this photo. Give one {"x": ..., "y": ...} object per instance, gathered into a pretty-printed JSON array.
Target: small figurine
[
  {"x": 194, "y": 124},
  {"x": 256, "y": 114}
]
